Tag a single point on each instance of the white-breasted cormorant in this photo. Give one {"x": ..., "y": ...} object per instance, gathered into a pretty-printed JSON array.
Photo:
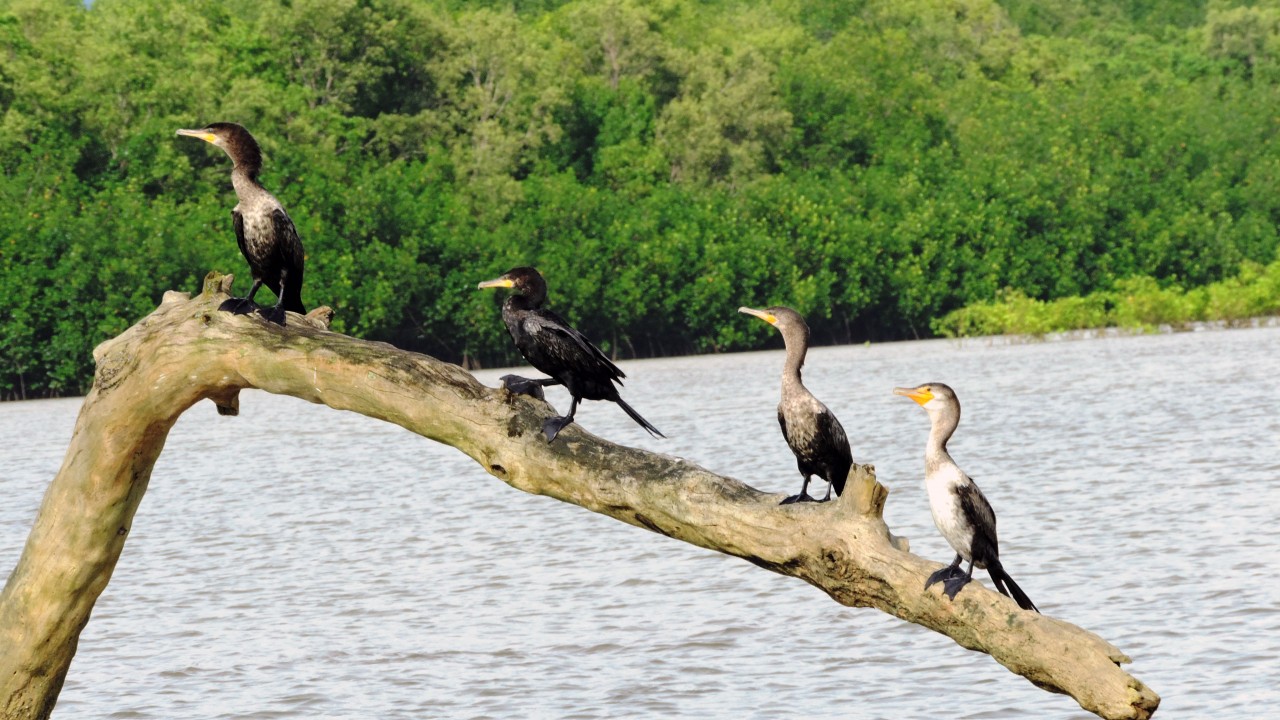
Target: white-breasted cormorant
[
  {"x": 266, "y": 235},
  {"x": 812, "y": 431},
  {"x": 548, "y": 342},
  {"x": 960, "y": 510}
]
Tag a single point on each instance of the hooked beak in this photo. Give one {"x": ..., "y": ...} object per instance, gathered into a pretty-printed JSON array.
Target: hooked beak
[
  {"x": 500, "y": 282},
  {"x": 204, "y": 135},
  {"x": 920, "y": 395},
  {"x": 762, "y": 314}
]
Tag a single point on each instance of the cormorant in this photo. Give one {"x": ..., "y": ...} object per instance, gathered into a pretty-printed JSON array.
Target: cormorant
[
  {"x": 549, "y": 344},
  {"x": 266, "y": 235},
  {"x": 812, "y": 431},
  {"x": 960, "y": 510}
]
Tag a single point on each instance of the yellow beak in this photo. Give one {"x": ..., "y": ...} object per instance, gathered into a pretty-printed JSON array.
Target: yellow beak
[
  {"x": 203, "y": 135},
  {"x": 920, "y": 395},
  {"x": 762, "y": 314},
  {"x": 500, "y": 282}
]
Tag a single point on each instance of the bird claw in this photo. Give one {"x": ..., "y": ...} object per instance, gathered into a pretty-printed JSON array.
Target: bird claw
[
  {"x": 942, "y": 575},
  {"x": 517, "y": 385},
  {"x": 273, "y": 314},
  {"x": 238, "y": 306},
  {"x": 953, "y": 585},
  {"x": 802, "y": 497},
  {"x": 551, "y": 428}
]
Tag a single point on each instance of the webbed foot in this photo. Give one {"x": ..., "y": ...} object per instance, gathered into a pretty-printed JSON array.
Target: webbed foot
[
  {"x": 238, "y": 306},
  {"x": 551, "y": 428},
  {"x": 517, "y": 385},
  {"x": 802, "y": 497},
  {"x": 943, "y": 574},
  {"x": 953, "y": 585},
  {"x": 273, "y": 314}
]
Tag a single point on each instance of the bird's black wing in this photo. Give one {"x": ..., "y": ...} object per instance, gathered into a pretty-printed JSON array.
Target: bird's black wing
[
  {"x": 567, "y": 345},
  {"x": 832, "y": 438},
  {"x": 982, "y": 518},
  {"x": 288, "y": 244},
  {"x": 237, "y": 222},
  {"x": 288, "y": 249}
]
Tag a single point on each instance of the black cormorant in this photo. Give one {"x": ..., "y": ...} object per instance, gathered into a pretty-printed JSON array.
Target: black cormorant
[
  {"x": 960, "y": 510},
  {"x": 549, "y": 344},
  {"x": 812, "y": 431},
  {"x": 266, "y": 235}
]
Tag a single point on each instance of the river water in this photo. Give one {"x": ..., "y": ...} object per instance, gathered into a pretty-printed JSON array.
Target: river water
[{"x": 301, "y": 562}]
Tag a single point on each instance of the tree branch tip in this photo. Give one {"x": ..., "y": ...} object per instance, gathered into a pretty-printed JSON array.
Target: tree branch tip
[
  {"x": 174, "y": 296},
  {"x": 1145, "y": 700}
]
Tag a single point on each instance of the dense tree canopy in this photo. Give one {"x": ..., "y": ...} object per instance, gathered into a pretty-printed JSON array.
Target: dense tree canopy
[{"x": 875, "y": 164}]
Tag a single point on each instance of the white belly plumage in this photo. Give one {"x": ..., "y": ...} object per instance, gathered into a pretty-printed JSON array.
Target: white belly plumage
[{"x": 945, "y": 505}]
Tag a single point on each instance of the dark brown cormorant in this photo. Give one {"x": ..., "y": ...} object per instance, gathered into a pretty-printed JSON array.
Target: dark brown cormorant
[
  {"x": 960, "y": 510},
  {"x": 266, "y": 235},
  {"x": 812, "y": 431},
  {"x": 549, "y": 344}
]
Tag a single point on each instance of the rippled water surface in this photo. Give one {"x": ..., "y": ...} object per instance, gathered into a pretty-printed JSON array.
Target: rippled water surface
[{"x": 301, "y": 562}]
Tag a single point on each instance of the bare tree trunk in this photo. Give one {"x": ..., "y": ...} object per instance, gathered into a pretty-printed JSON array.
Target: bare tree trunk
[{"x": 187, "y": 351}]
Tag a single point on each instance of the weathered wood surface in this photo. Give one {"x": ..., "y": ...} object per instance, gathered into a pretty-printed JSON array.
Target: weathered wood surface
[{"x": 187, "y": 351}]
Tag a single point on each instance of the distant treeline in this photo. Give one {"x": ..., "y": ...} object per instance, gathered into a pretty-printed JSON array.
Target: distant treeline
[
  {"x": 873, "y": 164},
  {"x": 1137, "y": 303}
]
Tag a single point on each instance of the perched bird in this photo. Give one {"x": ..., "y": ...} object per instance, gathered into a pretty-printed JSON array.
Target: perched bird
[
  {"x": 960, "y": 510},
  {"x": 812, "y": 431},
  {"x": 266, "y": 235},
  {"x": 549, "y": 344}
]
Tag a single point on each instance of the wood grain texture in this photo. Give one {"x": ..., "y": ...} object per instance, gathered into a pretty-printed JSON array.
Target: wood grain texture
[{"x": 186, "y": 351}]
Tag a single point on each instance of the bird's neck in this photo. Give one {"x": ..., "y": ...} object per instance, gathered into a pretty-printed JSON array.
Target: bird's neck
[
  {"x": 791, "y": 377},
  {"x": 796, "y": 350},
  {"x": 522, "y": 302},
  {"x": 935, "y": 452},
  {"x": 245, "y": 180}
]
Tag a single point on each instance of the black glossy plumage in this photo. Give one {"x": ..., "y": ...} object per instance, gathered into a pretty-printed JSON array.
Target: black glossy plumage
[
  {"x": 264, "y": 232},
  {"x": 811, "y": 430},
  {"x": 985, "y": 547},
  {"x": 553, "y": 346}
]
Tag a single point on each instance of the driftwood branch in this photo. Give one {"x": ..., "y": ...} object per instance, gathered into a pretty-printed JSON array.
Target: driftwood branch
[{"x": 186, "y": 351}]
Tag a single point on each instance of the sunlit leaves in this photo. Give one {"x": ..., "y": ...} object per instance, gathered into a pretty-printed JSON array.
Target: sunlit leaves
[
  {"x": 876, "y": 164},
  {"x": 728, "y": 121}
]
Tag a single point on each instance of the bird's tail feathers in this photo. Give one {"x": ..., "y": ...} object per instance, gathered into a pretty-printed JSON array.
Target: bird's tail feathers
[
  {"x": 1001, "y": 579},
  {"x": 837, "y": 483},
  {"x": 293, "y": 299},
  {"x": 639, "y": 420}
]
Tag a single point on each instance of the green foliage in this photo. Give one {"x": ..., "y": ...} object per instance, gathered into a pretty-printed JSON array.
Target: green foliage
[
  {"x": 876, "y": 164},
  {"x": 1135, "y": 303}
]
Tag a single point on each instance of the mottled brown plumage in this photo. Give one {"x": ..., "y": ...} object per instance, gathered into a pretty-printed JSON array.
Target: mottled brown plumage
[
  {"x": 812, "y": 431},
  {"x": 266, "y": 236}
]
